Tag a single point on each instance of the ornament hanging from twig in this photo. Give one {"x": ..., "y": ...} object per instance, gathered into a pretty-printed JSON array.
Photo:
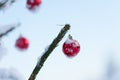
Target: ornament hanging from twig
[
  {"x": 33, "y": 5},
  {"x": 71, "y": 47},
  {"x": 22, "y": 43}
]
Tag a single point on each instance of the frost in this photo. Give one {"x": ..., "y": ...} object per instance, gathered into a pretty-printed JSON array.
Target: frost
[
  {"x": 76, "y": 44},
  {"x": 68, "y": 41}
]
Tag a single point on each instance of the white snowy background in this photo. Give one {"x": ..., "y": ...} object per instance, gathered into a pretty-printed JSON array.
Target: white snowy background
[{"x": 94, "y": 23}]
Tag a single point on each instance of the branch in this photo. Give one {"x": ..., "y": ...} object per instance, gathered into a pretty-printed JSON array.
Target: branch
[
  {"x": 9, "y": 30},
  {"x": 4, "y": 3},
  {"x": 48, "y": 52}
]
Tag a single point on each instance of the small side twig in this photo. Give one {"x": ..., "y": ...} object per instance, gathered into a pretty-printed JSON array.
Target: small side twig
[
  {"x": 48, "y": 52},
  {"x": 3, "y": 3},
  {"x": 9, "y": 30}
]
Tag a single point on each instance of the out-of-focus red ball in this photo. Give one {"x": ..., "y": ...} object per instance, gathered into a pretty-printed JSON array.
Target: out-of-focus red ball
[
  {"x": 33, "y": 4},
  {"x": 22, "y": 43},
  {"x": 71, "y": 47}
]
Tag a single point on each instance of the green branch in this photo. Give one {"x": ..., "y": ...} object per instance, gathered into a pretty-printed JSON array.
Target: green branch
[{"x": 48, "y": 52}]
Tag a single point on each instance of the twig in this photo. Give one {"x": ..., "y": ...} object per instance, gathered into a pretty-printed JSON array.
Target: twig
[
  {"x": 48, "y": 52},
  {"x": 3, "y": 3},
  {"x": 9, "y": 30}
]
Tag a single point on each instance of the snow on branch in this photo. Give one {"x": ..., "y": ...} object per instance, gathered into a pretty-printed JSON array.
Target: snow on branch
[
  {"x": 6, "y": 3},
  {"x": 48, "y": 51},
  {"x": 4, "y": 30}
]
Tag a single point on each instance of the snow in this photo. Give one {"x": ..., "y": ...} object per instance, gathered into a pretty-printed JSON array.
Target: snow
[
  {"x": 3, "y": 51},
  {"x": 10, "y": 74},
  {"x": 4, "y": 28},
  {"x": 68, "y": 41},
  {"x": 39, "y": 58},
  {"x": 7, "y": 4}
]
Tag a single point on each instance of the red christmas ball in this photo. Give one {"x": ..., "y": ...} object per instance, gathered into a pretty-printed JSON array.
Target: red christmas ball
[
  {"x": 22, "y": 43},
  {"x": 71, "y": 47},
  {"x": 33, "y": 4}
]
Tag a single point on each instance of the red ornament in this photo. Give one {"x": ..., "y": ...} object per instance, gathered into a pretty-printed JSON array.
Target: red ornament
[
  {"x": 22, "y": 43},
  {"x": 33, "y": 4},
  {"x": 71, "y": 47}
]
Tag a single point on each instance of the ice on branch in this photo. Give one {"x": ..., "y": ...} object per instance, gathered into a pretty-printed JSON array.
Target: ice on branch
[{"x": 10, "y": 74}]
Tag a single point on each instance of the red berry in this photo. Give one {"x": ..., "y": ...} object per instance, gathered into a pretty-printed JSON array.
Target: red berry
[
  {"x": 71, "y": 47},
  {"x": 22, "y": 43}
]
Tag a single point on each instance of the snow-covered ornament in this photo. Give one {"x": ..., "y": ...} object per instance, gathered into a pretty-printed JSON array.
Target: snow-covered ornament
[
  {"x": 71, "y": 47},
  {"x": 33, "y": 5},
  {"x": 22, "y": 43}
]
